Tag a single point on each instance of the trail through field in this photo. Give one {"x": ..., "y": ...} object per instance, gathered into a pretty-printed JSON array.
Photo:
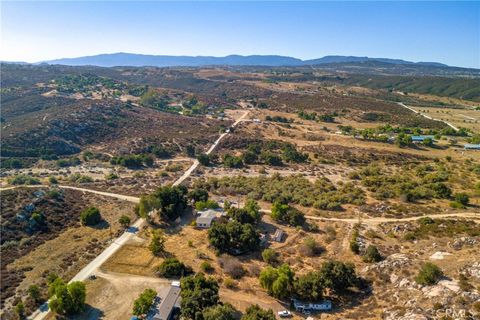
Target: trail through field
[{"x": 428, "y": 117}]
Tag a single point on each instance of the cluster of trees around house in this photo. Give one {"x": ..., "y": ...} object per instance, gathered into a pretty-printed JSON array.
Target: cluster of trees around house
[
  {"x": 272, "y": 153},
  {"x": 333, "y": 276},
  {"x": 321, "y": 194},
  {"x": 239, "y": 233},
  {"x": 201, "y": 301},
  {"x": 86, "y": 83},
  {"x": 403, "y": 135},
  {"x": 415, "y": 182},
  {"x": 327, "y": 117}
]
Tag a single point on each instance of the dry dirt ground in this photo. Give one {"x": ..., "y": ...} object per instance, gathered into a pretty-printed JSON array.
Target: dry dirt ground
[{"x": 466, "y": 117}]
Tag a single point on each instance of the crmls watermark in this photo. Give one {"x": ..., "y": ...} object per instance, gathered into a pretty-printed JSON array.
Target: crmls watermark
[{"x": 452, "y": 313}]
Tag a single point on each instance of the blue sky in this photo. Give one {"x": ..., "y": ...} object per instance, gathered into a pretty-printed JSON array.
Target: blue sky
[{"x": 447, "y": 32}]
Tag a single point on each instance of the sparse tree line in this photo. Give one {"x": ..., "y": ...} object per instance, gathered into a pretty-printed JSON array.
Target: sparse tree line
[{"x": 272, "y": 153}]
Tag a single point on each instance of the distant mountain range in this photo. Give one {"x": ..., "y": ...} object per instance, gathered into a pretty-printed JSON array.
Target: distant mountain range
[{"x": 140, "y": 60}]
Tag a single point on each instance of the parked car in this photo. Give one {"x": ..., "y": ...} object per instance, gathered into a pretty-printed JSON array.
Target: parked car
[{"x": 284, "y": 314}]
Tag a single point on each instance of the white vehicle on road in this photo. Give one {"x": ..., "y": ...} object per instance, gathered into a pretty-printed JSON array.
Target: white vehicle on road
[{"x": 284, "y": 314}]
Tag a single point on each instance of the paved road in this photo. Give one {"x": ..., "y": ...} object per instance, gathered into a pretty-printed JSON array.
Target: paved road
[
  {"x": 428, "y": 117},
  {"x": 43, "y": 311}
]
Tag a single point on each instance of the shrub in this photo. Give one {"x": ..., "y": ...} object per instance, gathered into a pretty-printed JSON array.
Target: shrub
[
  {"x": 206, "y": 267},
  {"x": 310, "y": 247},
  {"x": 157, "y": 244},
  {"x": 231, "y": 266},
  {"x": 372, "y": 254},
  {"x": 230, "y": 283},
  {"x": 429, "y": 274},
  {"x": 23, "y": 179},
  {"x": 173, "y": 268},
  {"x": 52, "y": 180},
  {"x": 462, "y": 198},
  {"x": 270, "y": 256},
  {"x": 90, "y": 216},
  {"x": 124, "y": 220}
]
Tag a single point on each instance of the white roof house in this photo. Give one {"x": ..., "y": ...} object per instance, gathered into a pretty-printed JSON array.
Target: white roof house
[{"x": 206, "y": 217}]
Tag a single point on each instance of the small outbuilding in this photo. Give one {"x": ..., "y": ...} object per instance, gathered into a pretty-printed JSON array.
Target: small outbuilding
[
  {"x": 278, "y": 235},
  {"x": 472, "y": 146},
  {"x": 302, "y": 306}
]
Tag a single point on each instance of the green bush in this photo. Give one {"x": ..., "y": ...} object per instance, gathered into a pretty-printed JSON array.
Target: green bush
[
  {"x": 90, "y": 216},
  {"x": 21, "y": 179},
  {"x": 429, "y": 274},
  {"x": 206, "y": 267},
  {"x": 270, "y": 256},
  {"x": 173, "y": 268},
  {"x": 372, "y": 254}
]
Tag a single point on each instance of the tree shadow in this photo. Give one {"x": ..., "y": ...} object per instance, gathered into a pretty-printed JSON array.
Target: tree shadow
[
  {"x": 101, "y": 225},
  {"x": 90, "y": 313}
]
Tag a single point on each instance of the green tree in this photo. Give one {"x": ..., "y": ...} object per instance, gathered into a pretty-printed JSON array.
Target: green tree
[
  {"x": 157, "y": 243},
  {"x": 219, "y": 312},
  {"x": 198, "y": 293},
  {"x": 67, "y": 299},
  {"x": 254, "y": 312},
  {"x": 429, "y": 274},
  {"x": 338, "y": 276},
  {"x": 170, "y": 201},
  {"x": 20, "y": 310},
  {"x": 203, "y": 159},
  {"x": 144, "y": 302},
  {"x": 173, "y": 268},
  {"x": 90, "y": 216},
  {"x": 283, "y": 213},
  {"x": 277, "y": 281},
  {"x": 310, "y": 286},
  {"x": 233, "y": 237},
  {"x": 34, "y": 293},
  {"x": 124, "y": 220},
  {"x": 198, "y": 194}
]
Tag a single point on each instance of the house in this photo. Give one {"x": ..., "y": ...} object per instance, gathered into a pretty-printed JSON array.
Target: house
[
  {"x": 206, "y": 217},
  {"x": 472, "y": 146},
  {"x": 170, "y": 304},
  {"x": 302, "y": 306},
  {"x": 278, "y": 235},
  {"x": 421, "y": 138}
]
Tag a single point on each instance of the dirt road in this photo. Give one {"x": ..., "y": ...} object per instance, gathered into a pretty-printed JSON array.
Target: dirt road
[
  {"x": 93, "y": 266},
  {"x": 428, "y": 117}
]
